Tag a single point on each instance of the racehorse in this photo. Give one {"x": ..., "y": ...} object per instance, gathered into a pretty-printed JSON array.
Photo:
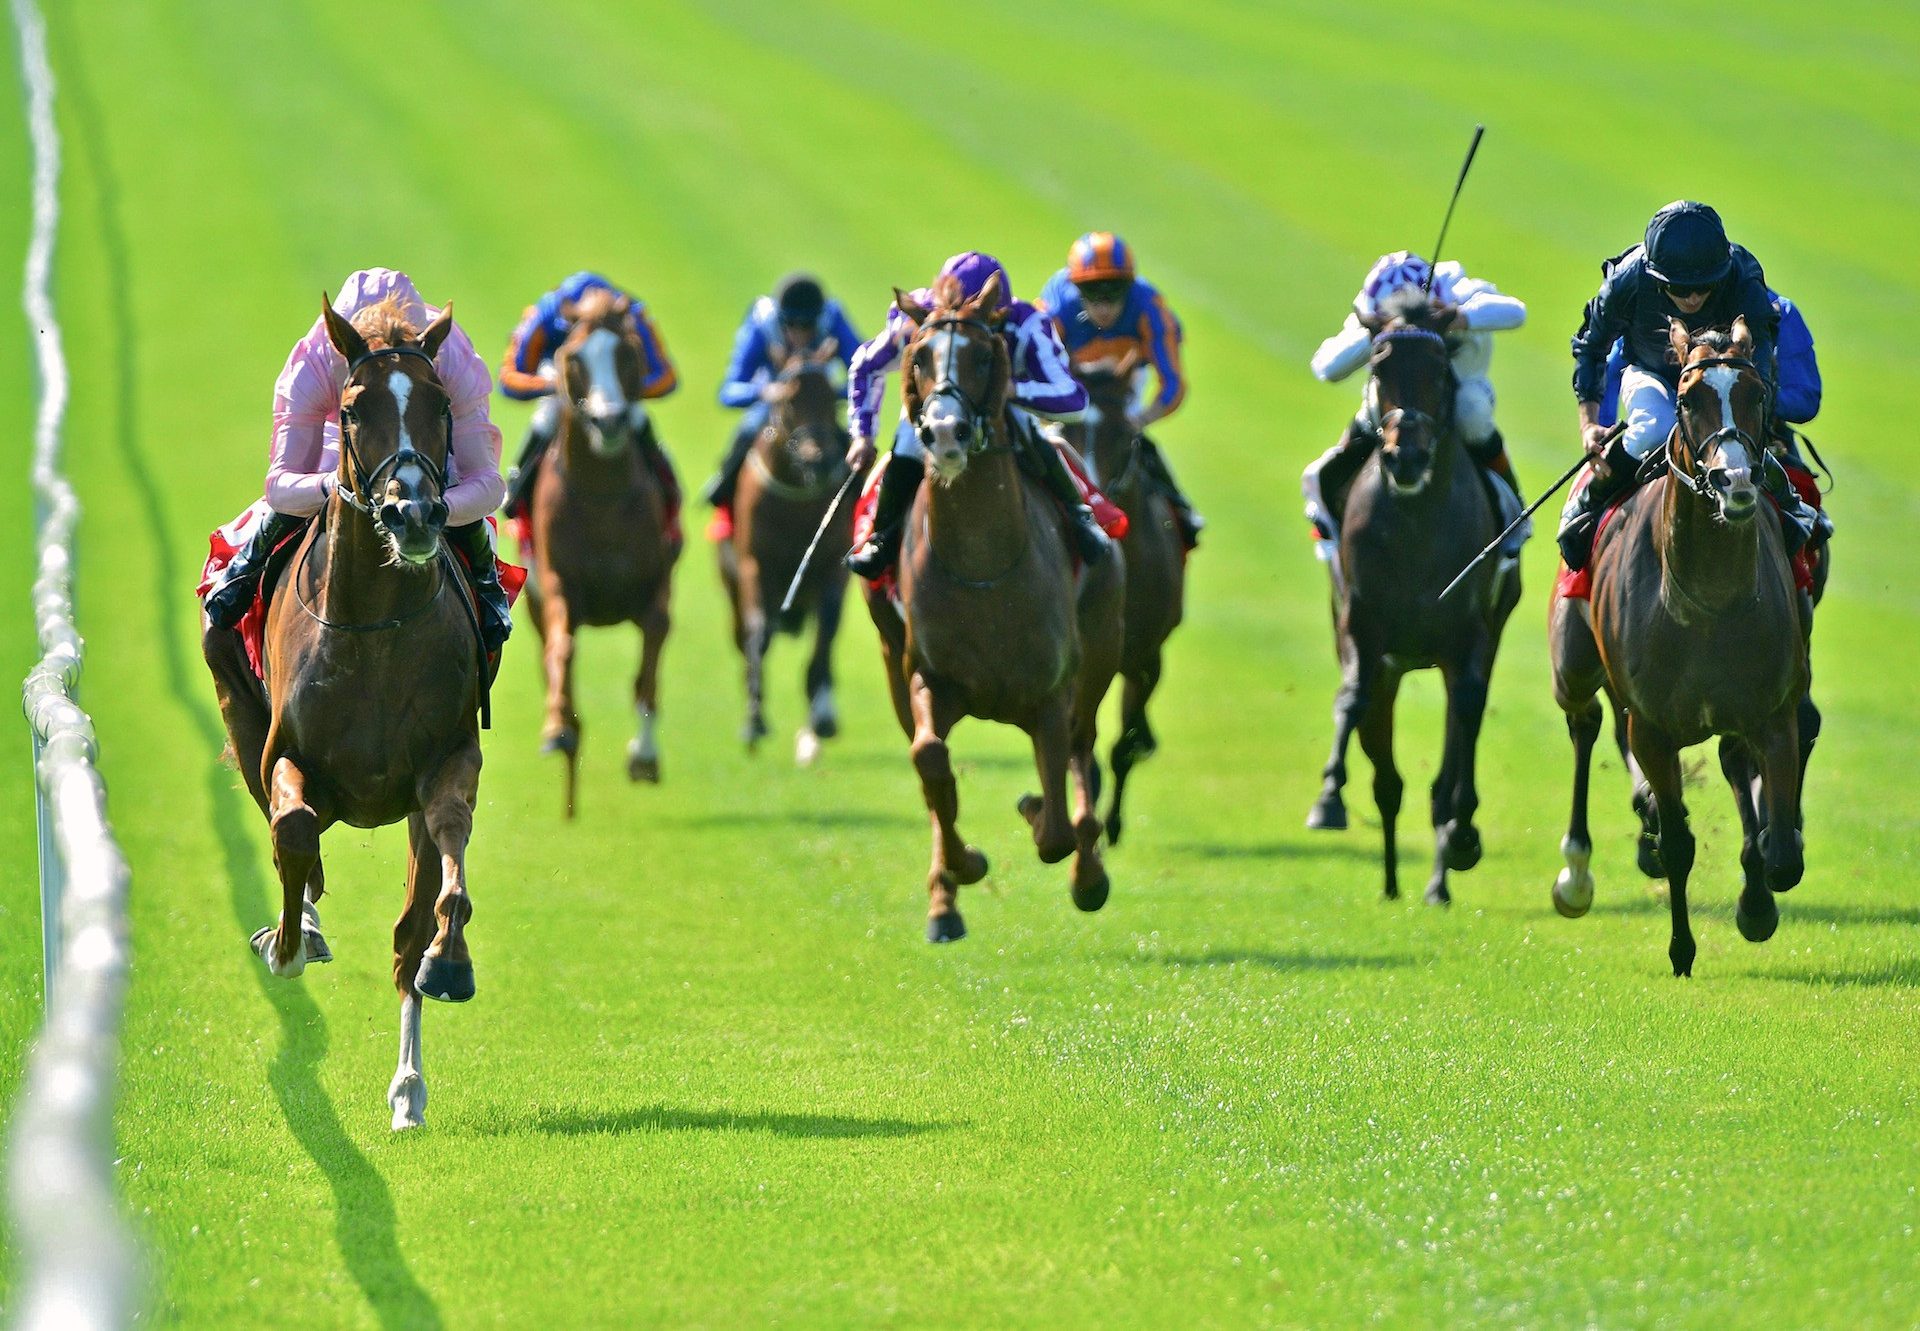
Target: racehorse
[
  {"x": 994, "y": 621},
  {"x": 1152, "y": 547},
  {"x": 373, "y": 682},
  {"x": 785, "y": 487},
  {"x": 1417, "y": 513},
  {"x": 1695, "y": 629},
  {"x": 599, "y": 523}
]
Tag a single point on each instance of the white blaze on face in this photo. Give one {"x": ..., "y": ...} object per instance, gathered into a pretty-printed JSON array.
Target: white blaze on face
[
  {"x": 605, "y": 397},
  {"x": 941, "y": 415},
  {"x": 1733, "y": 454},
  {"x": 408, "y": 476}
]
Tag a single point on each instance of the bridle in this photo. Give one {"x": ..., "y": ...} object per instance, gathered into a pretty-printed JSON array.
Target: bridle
[
  {"x": 1436, "y": 425},
  {"x": 370, "y": 481},
  {"x": 809, "y": 431},
  {"x": 1699, "y": 480},
  {"x": 980, "y": 435}
]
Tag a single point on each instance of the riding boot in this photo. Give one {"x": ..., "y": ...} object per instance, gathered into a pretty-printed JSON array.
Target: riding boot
[
  {"x": 540, "y": 433},
  {"x": 719, "y": 490},
  {"x": 1155, "y": 464},
  {"x": 474, "y": 544},
  {"x": 1800, "y": 522},
  {"x": 1088, "y": 539},
  {"x": 1491, "y": 453},
  {"x": 1325, "y": 483},
  {"x": 1580, "y": 520},
  {"x": 232, "y": 596},
  {"x": 898, "y": 484}
]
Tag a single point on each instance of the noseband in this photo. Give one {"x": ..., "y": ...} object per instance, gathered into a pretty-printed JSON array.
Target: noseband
[
  {"x": 370, "y": 481},
  {"x": 1413, "y": 415},
  {"x": 1697, "y": 479},
  {"x": 979, "y": 433}
]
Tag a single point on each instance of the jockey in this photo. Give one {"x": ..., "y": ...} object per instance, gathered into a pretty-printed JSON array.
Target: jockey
[
  {"x": 527, "y": 372},
  {"x": 304, "y": 461},
  {"x": 1479, "y": 310},
  {"x": 1101, "y": 312},
  {"x": 796, "y": 318},
  {"x": 1042, "y": 385},
  {"x": 1685, "y": 269}
]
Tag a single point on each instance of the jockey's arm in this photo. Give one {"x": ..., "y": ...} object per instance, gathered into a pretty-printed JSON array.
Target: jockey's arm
[
  {"x": 657, "y": 376},
  {"x": 520, "y": 376},
  {"x": 746, "y": 366},
  {"x": 1344, "y": 352},
  {"x": 1162, "y": 334},
  {"x": 474, "y": 485},
  {"x": 304, "y": 396},
  {"x": 867, "y": 381},
  {"x": 1043, "y": 381},
  {"x": 1484, "y": 309},
  {"x": 1605, "y": 320}
]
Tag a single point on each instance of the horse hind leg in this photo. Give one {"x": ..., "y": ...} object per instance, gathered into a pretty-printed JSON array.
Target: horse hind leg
[
  {"x": 1136, "y": 737},
  {"x": 447, "y": 799},
  {"x": 296, "y": 826},
  {"x": 1090, "y": 882},
  {"x": 1456, "y": 795},
  {"x": 1647, "y": 844},
  {"x": 1573, "y": 888},
  {"x": 955, "y": 863},
  {"x": 643, "y": 750}
]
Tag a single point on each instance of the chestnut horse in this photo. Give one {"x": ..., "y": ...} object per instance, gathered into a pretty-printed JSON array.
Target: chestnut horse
[
  {"x": 369, "y": 711},
  {"x": 601, "y": 552},
  {"x": 785, "y": 486},
  {"x": 997, "y": 623},
  {"x": 1156, "y": 561},
  {"x": 1417, "y": 513},
  {"x": 1695, "y": 629}
]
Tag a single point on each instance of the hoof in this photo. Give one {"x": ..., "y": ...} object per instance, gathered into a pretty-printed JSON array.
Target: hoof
[
  {"x": 561, "y": 741},
  {"x": 806, "y": 749},
  {"x": 824, "y": 725},
  {"x": 408, "y": 1096},
  {"x": 1391, "y": 892},
  {"x": 1785, "y": 876},
  {"x": 1437, "y": 895},
  {"x": 971, "y": 869},
  {"x": 1328, "y": 814},
  {"x": 1758, "y": 925},
  {"x": 643, "y": 766},
  {"x": 1113, "y": 828},
  {"x": 1648, "y": 858},
  {"x": 318, "y": 953},
  {"x": 262, "y": 943},
  {"x": 948, "y": 928},
  {"x": 1681, "y": 952},
  {"x": 1092, "y": 896},
  {"x": 1029, "y": 807},
  {"x": 1573, "y": 889},
  {"x": 1463, "y": 847},
  {"x": 753, "y": 732},
  {"x": 443, "y": 980}
]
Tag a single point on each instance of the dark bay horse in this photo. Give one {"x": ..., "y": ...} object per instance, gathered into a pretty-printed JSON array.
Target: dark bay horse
[
  {"x": 1416, "y": 514},
  {"x": 1695, "y": 630},
  {"x": 788, "y": 481},
  {"x": 1156, "y": 561},
  {"x": 601, "y": 552},
  {"x": 997, "y": 623},
  {"x": 369, "y": 713}
]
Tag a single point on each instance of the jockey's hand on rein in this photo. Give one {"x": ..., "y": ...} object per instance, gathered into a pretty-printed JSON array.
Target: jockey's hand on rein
[{"x": 859, "y": 454}]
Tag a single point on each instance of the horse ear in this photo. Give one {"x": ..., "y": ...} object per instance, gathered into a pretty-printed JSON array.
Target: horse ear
[
  {"x": 910, "y": 307},
  {"x": 437, "y": 331},
  {"x": 345, "y": 337},
  {"x": 1742, "y": 337},
  {"x": 989, "y": 300},
  {"x": 1679, "y": 341}
]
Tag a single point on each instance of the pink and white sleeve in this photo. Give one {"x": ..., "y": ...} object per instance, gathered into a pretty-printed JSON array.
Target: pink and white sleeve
[
  {"x": 305, "y": 396},
  {"x": 476, "y": 487}
]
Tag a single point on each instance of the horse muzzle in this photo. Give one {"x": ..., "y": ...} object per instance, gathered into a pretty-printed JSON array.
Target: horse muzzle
[
  {"x": 1735, "y": 493},
  {"x": 414, "y": 526},
  {"x": 607, "y": 431},
  {"x": 1407, "y": 469}
]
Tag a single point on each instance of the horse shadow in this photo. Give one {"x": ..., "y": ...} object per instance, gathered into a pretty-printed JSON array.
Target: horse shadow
[
  {"x": 1900, "y": 973},
  {"x": 1279, "y": 961},
  {"x": 1276, "y": 850},
  {"x": 364, "y": 1214},
  {"x": 667, "y": 1118},
  {"x": 825, "y": 819}
]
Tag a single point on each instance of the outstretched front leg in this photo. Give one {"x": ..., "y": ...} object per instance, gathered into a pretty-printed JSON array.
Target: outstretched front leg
[
  {"x": 1757, "y": 916},
  {"x": 1136, "y": 735},
  {"x": 296, "y": 826},
  {"x": 755, "y": 632},
  {"x": 1456, "y": 795},
  {"x": 643, "y": 750},
  {"x": 1660, "y": 760},
  {"x": 823, "y": 716},
  {"x": 446, "y": 805},
  {"x": 1376, "y": 740},
  {"x": 1053, "y": 834},
  {"x": 1329, "y": 812},
  {"x": 561, "y": 732},
  {"x": 412, "y": 932},
  {"x": 955, "y": 863}
]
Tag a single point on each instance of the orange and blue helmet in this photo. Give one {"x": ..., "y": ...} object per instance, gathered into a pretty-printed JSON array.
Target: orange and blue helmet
[{"x": 1099, "y": 256}]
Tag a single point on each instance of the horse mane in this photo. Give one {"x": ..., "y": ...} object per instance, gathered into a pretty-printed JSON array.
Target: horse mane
[
  {"x": 1410, "y": 305},
  {"x": 1714, "y": 339},
  {"x": 595, "y": 307},
  {"x": 947, "y": 293},
  {"x": 385, "y": 324}
]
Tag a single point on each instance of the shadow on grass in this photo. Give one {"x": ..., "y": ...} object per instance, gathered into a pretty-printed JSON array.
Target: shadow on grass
[
  {"x": 823, "y": 818},
  {"x": 1903, "y": 973},
  {"x": 1279, "y": 961},
  {"x": 963, "y": 762},
  {"x": 1839, "y": 912},
  {"x": 665, "y": 1118},
  {"x": 1316, "y": 848},
  {"x": 363, "y": 1206}
]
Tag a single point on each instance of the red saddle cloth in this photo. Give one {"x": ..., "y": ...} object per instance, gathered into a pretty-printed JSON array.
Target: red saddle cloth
[
  {"x": 223, "y": 543},
  {"x": 1579, "y": 586}
]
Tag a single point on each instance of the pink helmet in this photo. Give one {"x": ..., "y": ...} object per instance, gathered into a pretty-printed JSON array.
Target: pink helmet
[{"x": 972, "y": 269}]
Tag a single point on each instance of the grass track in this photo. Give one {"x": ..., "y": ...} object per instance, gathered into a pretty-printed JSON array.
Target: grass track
[{"x": 713, "y": 1076}]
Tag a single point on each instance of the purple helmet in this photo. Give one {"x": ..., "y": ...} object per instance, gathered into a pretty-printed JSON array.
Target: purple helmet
[
  {"x": 1392, "y": 273},
  {"x": 972, "y": 269}
]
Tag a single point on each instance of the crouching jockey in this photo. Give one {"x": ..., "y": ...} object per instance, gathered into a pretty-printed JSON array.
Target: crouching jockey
[
  {"x": 796, "y": 319},
  {"x": 1042, "y": 386},
  {"x": 1796, "y": 400},
  {"x": 1684, "y": 269},
  {"x": 302, "y": 472},
  {"x": 527, "y": 373},
  {"x": 1479, "y": 311},
  {"x": 1102, "y": 311}
]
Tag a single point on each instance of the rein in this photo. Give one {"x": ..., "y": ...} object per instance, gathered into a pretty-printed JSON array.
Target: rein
[
  {"x": 367, "y": 626},
  {"x": 947, "y": 385},
  {"x": 773, "y": 485},
  {"x": 1697, "y": 480},
  {"x": 349, "y": 428}
]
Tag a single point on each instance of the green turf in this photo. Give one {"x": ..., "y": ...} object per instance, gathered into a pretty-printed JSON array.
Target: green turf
[{"x": 713, "y": 1076}]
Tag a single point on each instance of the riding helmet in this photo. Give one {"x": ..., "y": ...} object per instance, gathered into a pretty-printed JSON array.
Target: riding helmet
[
  {"x": 1099, "y": 256},
  {"x": 972, "y": 269},
  {"x": 800, "y": 299},
  {"x": 1391, "y": 273},
  {"x": 1686, "y": 246}
]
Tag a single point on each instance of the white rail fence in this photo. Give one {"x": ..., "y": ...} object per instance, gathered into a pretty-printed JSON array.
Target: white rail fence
[{"x": 78, "y": 1263}]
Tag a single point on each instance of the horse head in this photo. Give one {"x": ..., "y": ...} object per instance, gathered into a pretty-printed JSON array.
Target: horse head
[
  {"x": 396, "y": 426},
  {"x": 803, "y": 416},
  {"x": 1720, "y": 412},
  {"x": 957, "y": 373},
  {"x": 598, "y": 369},
  {"x": 1410, "y": 393},
  {"x": 1107, "y": 428}
]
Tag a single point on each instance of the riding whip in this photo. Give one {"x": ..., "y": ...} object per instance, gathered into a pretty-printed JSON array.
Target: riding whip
[
  {"x": 1531, "y": 509},
  {"x": 806, "y": 560},
  {"x": 1434, "y": 261}
]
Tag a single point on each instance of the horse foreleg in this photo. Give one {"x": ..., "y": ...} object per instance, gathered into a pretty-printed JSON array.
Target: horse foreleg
[
  {"x": 1053, "y": 834},
  {"x": 1376, "y": 741},
  {"x": 755, "y": 632},
  {"x": 296, "y": 826},
  {"x": 643, "y": 750},
  {"x": 823, "y": 717},
  {"x": 1781, "y": 845},
  {"x": 407, "y": 1092},
  {"x": 1090, "y": 882},
  {"x": 1456, "y": 794},
  {"x": 1661, "y": 762},
  {"x": 446, "y": 805},
  {"x": 1808, "y": 725},
  {"x": 1757, "y": 916},
  {"x": 1573, "y": 889},
  {"x": 1329, "y": 812},
  {"x": 1647, "y": 846},
  {"x": 561, "y": 733},
  {"x": 955, "y": 863},
  {"x": 1136, "y": 735}
]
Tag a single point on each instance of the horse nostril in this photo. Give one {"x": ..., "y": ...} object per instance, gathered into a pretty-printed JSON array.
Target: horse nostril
[
  {"x": 926, "y": 435},
  {"x": 390, "y": 515},
  {"x": 963, "y": 432}
]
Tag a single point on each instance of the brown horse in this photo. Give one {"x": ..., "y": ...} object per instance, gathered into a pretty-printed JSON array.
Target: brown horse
[
  {"x": 785, "y": 487},
  {"x": 1156, "y": 561},
  {"x": 1695, "y": 630},
  {"x": 997, "y": 624},
  {"x": 601, "y": 553},
  {"x": 1417, "y": 513},
  {"x": 369, "y": 711}
]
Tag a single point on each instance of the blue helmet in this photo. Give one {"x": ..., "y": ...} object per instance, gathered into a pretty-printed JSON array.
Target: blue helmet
[
  {"x": 1686, "y": 246},
  {"x": 1391, "y": 273}
]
